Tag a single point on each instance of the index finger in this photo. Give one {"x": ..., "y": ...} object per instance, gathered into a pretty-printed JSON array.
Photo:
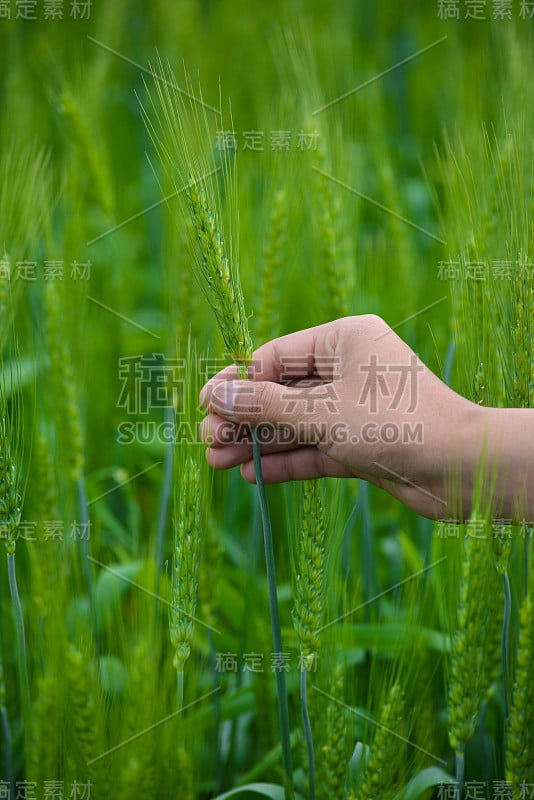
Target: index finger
[
  {"x": 304, "y": 354},
  {"x": 310, "y": 353}
]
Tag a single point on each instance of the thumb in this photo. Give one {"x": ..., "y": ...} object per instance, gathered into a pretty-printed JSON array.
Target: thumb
[{"x": 306, "y": 409}]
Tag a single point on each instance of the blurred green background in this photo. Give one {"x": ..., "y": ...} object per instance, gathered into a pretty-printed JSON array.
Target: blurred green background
[{"x": 426, "y": 161}]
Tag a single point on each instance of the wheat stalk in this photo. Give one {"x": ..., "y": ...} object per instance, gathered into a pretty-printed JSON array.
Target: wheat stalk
[
  {"x": 6, "y": 730},
  {"x": 187, "y": 541},
  {"x": 175, "y": 126},
  {"x": 10, "y": 514},
  {"x": 309, "y": 600}
]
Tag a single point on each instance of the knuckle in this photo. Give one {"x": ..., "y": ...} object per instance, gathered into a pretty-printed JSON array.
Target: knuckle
[
  {"x": 374, "y": 324},
  {"x": 365, "y": 325}
]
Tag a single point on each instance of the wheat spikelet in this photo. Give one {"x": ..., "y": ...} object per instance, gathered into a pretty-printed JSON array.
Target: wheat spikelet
[
  {"x": 492, "y": 660},
  {"x": 10, "y": 458},
  {"x": 140, "y": 771},
  {"x": 11, "y": 449},
  {"x": 60, "y": 365},
  {"x": 184, "y": 301},
  {"x": 309, "y": 589},
  {"x": 43, "y": 553},
  {"x": 209, "y": 576},
  {"x": 335, "y": 754},
  {"x": 267, "y": 316},
  {"x": 44, "y": 755},
  {"x": 520, "y": 738},
  {"x": 46, "y": 495},
  {"x": 379, "y": 779},
  {"x": 138, "y": 776},
  {"x": 10, "y": 499},
  {"x": 308, "y": 607},
  {"x": 99, "y": 183},
  {"x": 222, "y": 290},
  {"x": 25, "y": 206},
  {"x": 335, "y": 271},
  {"x": 468, "y": 680},
  {"x": 84, "y": 717},
  {"x": 176, "y": 128},
  {"x": 187, "y": 544}
]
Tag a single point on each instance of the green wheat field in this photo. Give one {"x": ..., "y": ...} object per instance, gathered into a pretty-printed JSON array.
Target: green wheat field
[{"x": 179, "y": 183}]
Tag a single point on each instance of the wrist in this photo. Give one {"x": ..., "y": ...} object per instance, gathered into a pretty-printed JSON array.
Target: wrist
[
  {"x": 454, "y": 456},
  {"x": 497, "y": 472}
]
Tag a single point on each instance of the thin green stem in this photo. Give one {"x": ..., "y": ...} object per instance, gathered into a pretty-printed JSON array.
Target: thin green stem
[
  {"x": 283, "y": 712},
  {"x": 254, "y": 545},
  {"x": 347, "y": 539},
  {"x": 449, "y": 361},
  {"x": 485, "y": 742},
  {"x": 83, "y": 506},
  {"x": 8, "y": 756},
  {"x": 21, "y": 637},
  {"x": 460, "y": 766},
  {"x": 368, "y": 556},
  {"x": 525, "y": 561},
  {"x": 180, "y": 688},
  {"x": 218, "y": 761},
  {"x": 505, "y": 643},
  {"x": 307, "y": 731},
  {"x": 369, "y": 574},
  {"x": 163, "y": 510}
]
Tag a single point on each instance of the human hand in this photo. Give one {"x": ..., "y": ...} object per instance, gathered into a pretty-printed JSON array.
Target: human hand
[{"x": 347, "y": 399}]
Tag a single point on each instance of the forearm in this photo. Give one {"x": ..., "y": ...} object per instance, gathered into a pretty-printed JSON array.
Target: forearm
[{"x": 500, "y": 449}]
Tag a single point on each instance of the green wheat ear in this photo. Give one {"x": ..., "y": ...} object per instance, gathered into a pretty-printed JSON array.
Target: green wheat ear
[
  {"x": 268, "y": 313},
  {"x": 310, "y": 589},
  {"x": 469, "y": 679},
  {"x": 25, "y": 205},
  {"x": 221, "y": 288},
  {"x": 10, "y": 499},
  {"x": 379, "y": 778},
  {"x": 334, "y": 752},
  {"x": 187, "y": 543},
  {"x": 520, "y": 738},
  {"x": 309, "y": 601},
  {"x": 11, "y": 450},
  {"x": 177, "y": 124}
]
